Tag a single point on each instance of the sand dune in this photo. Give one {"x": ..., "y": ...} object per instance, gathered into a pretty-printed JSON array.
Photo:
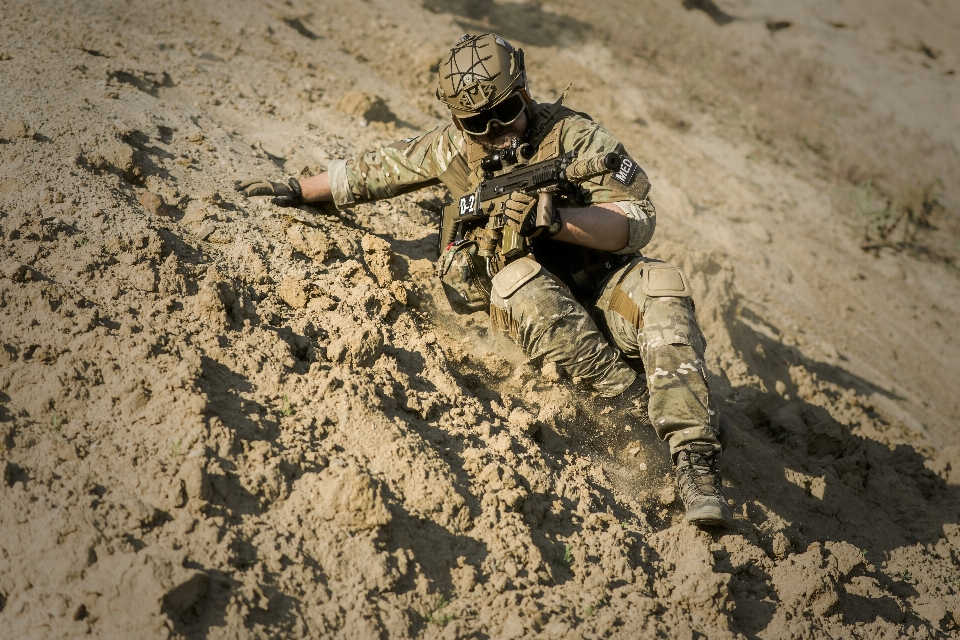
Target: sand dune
[{"x": 224, "y": 419}]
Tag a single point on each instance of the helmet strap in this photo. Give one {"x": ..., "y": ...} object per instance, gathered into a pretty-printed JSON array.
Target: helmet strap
[{"x": 529, "y": 109}]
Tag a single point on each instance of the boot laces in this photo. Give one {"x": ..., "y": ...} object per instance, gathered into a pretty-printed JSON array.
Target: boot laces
[{"x": 697, "y": 473}]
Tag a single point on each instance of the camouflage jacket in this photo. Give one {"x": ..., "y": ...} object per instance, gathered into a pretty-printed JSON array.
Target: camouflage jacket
[{"x": 447, "y": 156}]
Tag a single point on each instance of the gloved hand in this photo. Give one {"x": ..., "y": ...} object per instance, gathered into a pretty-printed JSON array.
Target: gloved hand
[
  {"x": 519, "y": 210},
  {"x": 286, "y": 194}
]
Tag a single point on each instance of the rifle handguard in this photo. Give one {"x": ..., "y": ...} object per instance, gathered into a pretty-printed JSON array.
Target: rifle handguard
[{"x": 593, "y": 166}]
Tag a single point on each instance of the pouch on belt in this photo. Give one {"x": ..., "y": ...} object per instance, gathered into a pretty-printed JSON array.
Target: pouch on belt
[{"x": 464, "y": 278}]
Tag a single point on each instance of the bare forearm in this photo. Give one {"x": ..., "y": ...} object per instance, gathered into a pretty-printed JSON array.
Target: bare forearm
[
  {"x": 316, "y": 188},
  {"x": 603, "y": 227}
]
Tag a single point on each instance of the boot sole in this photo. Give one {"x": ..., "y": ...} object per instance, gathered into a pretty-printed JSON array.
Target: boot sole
[{"x": 709, "y": 515}]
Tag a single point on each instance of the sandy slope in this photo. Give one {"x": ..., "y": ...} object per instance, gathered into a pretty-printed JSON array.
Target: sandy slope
[{"x": 219, "y": 418}]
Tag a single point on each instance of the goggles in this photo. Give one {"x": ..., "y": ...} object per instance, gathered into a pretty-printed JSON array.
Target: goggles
[{"x": 504, "y": 113}]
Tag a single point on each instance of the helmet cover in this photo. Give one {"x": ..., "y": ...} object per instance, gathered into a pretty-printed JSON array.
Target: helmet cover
[{"x": 479, "y": 72}]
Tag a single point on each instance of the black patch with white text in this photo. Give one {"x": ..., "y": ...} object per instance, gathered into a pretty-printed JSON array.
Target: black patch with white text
[
  {"x": 627, "y": 171},
  {"x": 469, "y": 207}
]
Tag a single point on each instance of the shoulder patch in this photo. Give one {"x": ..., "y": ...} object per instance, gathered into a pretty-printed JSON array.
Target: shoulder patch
[
  {"x": 627, "y": 171},
  {"x": 630, "y": 178}
]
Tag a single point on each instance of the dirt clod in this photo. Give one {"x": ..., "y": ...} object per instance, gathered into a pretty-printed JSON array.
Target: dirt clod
[
  {"x": 13, "y": 129},
  {"x": 152, "y": 202}
]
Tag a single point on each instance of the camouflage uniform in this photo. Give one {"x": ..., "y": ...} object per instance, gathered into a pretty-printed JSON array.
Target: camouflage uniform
[{"x": 651, "y": 326}]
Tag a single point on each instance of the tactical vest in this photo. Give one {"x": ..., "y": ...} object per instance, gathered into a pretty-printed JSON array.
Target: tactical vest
[
  {"x": 463, "y": 174},
  {"x": 579, "y": 268}
]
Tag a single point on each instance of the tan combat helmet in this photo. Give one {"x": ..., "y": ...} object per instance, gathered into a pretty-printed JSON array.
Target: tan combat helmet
[{"x": 479, "y": 73}]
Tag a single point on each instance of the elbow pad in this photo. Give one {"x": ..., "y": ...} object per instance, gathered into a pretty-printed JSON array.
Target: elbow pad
[
  {"x": 340, "y": 184},
  {"x": 642, "y": 217}
]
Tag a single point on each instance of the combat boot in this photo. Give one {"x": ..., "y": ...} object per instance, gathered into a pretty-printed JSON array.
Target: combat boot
[{"x": 699, "y": 483}]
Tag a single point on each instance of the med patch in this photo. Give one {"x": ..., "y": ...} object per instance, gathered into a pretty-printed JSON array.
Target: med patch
[
  {"x": 629, "y": 178},
  {"x": 627, "y": 171}
]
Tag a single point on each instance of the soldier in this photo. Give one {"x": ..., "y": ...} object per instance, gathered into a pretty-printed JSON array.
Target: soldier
[{"x": 578, "y": 293}]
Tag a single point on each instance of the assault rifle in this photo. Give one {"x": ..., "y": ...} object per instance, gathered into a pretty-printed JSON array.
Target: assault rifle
[{"x": 556, "y": 176}]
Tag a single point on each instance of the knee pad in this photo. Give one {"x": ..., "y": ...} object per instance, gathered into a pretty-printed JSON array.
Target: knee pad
[
  {"x": 506, "y": 283},
  {"x": 662, "y": 280},
  {"x": 526, "y": 301},
  {"x": 657, "y": 280},
  {"x": 515, "y": 275}
]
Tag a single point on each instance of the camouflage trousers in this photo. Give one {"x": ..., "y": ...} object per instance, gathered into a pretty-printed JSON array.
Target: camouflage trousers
[{"x": 642, "y": 323}]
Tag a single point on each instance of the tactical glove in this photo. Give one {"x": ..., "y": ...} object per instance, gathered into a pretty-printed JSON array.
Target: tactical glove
[
  {"x": 519, "y": 210},
  {"x": 285, "y": 194},
  {"x": 531, "y": 216}
]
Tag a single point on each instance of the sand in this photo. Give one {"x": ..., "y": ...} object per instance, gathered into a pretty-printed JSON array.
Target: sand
[{"x": 224, "y": 419}]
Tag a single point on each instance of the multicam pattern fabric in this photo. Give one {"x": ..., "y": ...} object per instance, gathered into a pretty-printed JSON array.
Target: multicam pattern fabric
[
  {"x": 669, "y": 344},
  {"x": 544, "y": 319},
  {"x": 445, "y": 155},
  {"x": 465, "y": 282},
  {"x": 546, "y": 322},
  {"x": 642, "y": 217},
  {"x": 404, "y": 166}
]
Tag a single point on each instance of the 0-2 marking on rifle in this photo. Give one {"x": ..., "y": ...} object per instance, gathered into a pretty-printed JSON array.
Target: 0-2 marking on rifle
[
  {"x": 468, "y": 207},
  {"x": 555, "y": 176}
]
